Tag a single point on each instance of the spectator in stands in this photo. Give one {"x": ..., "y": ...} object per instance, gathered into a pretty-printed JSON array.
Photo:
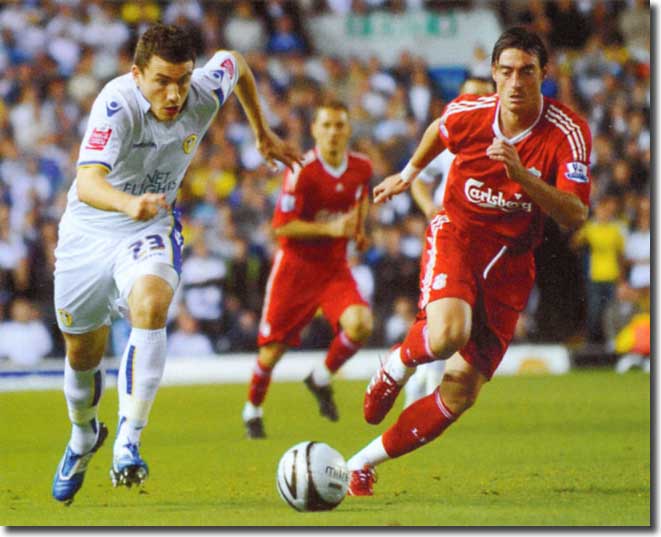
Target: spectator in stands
[
  {"x": 609, "y": 87},
  {"x": 202, "y": 279},
  {"x": 605, "y": 243},
  {"x": 187, "y": 340},
  {"x": 284, "y": 40},
  {"x": 243, "y": 30},
  {"x": 398, "y": 322},
  {"x": 638, "y": 249},
  {"x": 24, "y": 339}
]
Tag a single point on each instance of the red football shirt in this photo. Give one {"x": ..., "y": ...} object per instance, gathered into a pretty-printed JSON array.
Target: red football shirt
[
  {"x": 480, "y": 197},
  {"x": 316, "y": 192}
]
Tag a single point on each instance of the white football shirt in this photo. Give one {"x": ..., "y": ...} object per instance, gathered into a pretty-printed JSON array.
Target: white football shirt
[
  {"x": 141, "y": 153},
  {"x": 439, "y": 167}
]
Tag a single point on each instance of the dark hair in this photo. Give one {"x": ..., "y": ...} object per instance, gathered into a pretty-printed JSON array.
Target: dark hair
[
  {"x": 332, "y": 104},
  {"x": 172, "y": 43},
  {"x": 522, "y": 39}
]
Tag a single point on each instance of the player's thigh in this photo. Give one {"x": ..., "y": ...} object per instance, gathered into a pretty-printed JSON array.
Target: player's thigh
[
  {"x": 494, "y": 324},
  {"x": 270, "y": 353},
  {"x": 357, "y": 322},
  {"x": 84, "y": 289},
  {"x": 292, "y": 298},
  {"x": 147, "y": 271},
  {"x": 449, "y": 322}
]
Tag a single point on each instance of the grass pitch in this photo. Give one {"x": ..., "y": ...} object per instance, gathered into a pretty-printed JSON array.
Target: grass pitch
[{"x": 570, "y": 450}]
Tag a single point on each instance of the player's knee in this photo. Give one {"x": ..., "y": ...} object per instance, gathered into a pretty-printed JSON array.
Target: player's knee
[
  {"x": 460, "y": 402},
  {"x": 360, "y": 330},
  {"x": 85, "y": 351},
  {"x": 447, "y": 339},
  {"x": 149, "y": 311}
]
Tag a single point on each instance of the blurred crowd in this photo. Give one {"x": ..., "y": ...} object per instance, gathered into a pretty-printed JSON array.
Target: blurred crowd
[{"x": 56, "y": 55}]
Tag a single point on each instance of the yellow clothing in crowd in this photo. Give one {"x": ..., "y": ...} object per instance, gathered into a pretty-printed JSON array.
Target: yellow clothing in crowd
[{"x": 606, "y": 244}]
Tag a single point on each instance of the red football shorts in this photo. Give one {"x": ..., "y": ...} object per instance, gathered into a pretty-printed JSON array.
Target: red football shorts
[
  {"x": 493, "y": 279},
  {"x": 296, "y": 289}
]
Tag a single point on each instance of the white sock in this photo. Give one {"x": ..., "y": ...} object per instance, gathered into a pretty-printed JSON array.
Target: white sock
[
  {"x": 140, "y": 374},
  {"x": 82, "y": 391},
  {"x": 321, "y": 375},
  {"x": 396, "y": 368},
  {"x": 372, "y": 454},
  {"x": 251, "y": 411},
  {"x": 415, "y": 387}
]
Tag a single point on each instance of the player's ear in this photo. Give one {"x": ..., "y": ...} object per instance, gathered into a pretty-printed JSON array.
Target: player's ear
[{"x": 135, "y": 71}]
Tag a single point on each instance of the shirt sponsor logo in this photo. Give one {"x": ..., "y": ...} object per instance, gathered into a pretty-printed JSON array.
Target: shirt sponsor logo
[
  {"x": 141, "y": 145},
  {"x": 112, "y": 108},
  {"x": 98, "y": 139},
  {"x": 493, "y": 200},
  {"x": 577, "y": 172},
  {"x": 228, "y": 65},
  {"x": 156, "y": 182}
]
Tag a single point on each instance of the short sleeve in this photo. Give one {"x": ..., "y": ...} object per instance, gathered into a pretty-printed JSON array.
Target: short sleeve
[
  {"x": 450, "y": 126},
  {"x": 573, "y": 160},
  {"x": 220, "y": 75},
  {"x": 107, "y": 127},
  {"x": 290, "y": 202}
]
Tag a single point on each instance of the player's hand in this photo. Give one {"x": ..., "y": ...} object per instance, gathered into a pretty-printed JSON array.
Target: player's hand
[
  {"x": 344, "y": 225},
  {"x": 273, "y": 148},
  {"x": 389, "y": 187},
  {"x": 506, "y": 153},
  {"x": 146, "y": 207}
]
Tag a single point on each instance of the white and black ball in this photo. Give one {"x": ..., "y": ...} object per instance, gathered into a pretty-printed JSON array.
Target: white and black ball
[{"x": 312, "y": 476}]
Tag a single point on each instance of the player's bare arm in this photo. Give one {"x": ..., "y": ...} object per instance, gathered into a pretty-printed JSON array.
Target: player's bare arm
[
  {"x": 340, "y": 226},
  {"x": 94, "y": 189},
  {"x": 422, "y": 195},
  {"x": 270, "y": 146},
  {"x": 565, "y": 208},
  {"x": 430, "y": 146}
]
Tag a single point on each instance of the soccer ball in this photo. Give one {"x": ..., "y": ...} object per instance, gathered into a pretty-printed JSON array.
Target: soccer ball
[{"x": 312, "y": 476}]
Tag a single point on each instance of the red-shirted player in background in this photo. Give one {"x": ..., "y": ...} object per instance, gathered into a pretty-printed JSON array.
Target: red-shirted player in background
[
  {"x": 519, "y": 158},
  {"x": 321, "y": 207}
]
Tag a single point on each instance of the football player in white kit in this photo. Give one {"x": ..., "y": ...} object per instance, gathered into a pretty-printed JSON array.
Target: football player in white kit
[{"x": 120, "y": 240}]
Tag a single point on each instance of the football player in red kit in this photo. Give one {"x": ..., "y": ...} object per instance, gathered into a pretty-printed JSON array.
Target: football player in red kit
[
  {"x": 520, "y": 157},
  {"x": 321, "y": 208}
]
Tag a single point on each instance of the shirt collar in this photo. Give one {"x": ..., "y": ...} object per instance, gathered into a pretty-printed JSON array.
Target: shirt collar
[
  {"x": 145, "y": 105},
  {"x": 515, "y": 139},
  {"x": 335, "y": 172}
]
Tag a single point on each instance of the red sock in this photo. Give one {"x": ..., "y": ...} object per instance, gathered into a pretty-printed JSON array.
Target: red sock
[
  {"x": 341, "y": 349},
  {"x": 420, "y": 423},
  {"x": 259, "y": 383},
  {"x": 415, "y": 348}
]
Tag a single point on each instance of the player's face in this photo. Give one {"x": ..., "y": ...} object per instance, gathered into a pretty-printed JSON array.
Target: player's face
[
  {"x": 331, "y": 130},
  {"x": 165, "y": 85},
  {"x": 518, "y": 78}
]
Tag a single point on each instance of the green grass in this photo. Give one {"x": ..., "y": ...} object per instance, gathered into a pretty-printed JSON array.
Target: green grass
[{"x": 569, "y": 450}]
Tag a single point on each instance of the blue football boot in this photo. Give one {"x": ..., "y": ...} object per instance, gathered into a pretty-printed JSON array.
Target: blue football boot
[
  {"x": 70, "y": 472},
  {"x": 128, "y": 468}
]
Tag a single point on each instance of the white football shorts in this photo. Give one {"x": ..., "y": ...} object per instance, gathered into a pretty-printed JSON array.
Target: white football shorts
[{"x": 94, "y": 275}]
